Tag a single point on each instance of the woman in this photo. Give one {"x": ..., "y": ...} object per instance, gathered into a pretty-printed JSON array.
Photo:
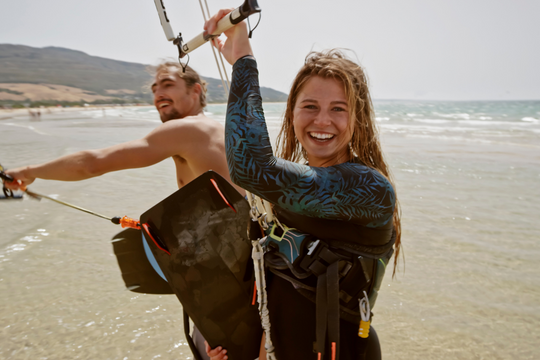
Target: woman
[{"x": 331, "y": 181}]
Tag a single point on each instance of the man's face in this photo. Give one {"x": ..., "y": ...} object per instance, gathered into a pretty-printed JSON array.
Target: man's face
[{"x": 172, "y": 98}]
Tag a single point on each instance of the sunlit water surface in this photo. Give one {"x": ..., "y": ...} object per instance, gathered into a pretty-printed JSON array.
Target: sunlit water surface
[{"x": 468, "y": 177}]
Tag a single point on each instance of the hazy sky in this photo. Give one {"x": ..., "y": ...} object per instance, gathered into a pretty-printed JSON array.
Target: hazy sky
[{"x": 412, "y": 49}]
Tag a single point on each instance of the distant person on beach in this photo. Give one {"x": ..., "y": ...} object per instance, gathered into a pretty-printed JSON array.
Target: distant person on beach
[
  {"x": 194, "y": 141},
  {"x": 36, "y": 116}
]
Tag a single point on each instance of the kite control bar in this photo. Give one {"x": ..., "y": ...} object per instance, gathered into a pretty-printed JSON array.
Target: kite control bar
[
  {"x": 165, "y": 24},
  {"x": 249, "y": 7},
  {"x": 124, "y": 221}
]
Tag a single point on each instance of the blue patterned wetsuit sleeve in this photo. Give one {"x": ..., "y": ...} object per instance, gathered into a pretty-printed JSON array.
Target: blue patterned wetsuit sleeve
[{"x": 348, "y": 191}]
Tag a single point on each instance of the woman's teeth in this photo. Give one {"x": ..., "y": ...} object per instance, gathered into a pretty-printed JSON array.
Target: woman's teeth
[{"x": 321, "y": 136}]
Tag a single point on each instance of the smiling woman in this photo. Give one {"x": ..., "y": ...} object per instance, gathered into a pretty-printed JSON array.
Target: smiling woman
[
  {"x": 341, "y": 205},
  {"x": 338, "y": 219}
]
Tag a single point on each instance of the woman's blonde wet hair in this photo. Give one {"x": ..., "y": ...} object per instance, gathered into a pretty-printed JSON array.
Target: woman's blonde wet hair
[{"x": 365, "y": 144}]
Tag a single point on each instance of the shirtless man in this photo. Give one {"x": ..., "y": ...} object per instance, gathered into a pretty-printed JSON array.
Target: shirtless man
[{"x": 195, "y": 142}]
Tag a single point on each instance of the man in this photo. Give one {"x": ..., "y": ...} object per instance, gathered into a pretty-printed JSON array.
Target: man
[{"x": 195, "y": 142}]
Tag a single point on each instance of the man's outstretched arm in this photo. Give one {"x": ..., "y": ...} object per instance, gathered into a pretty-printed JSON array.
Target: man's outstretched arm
[{"x": 171, "y": 138}]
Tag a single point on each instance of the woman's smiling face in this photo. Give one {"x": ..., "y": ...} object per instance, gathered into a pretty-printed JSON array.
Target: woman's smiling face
[{"x": 321, "y": 121}]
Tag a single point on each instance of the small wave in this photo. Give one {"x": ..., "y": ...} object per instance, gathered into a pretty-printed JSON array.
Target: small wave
[
  {"x": 432, "y": 121},
  {"x": 531, "y": 120},
  {"x": 472, "y": 140},
  {"x": 455, "y": 116},
  {"x": 22, "y": 244},
  {"x": 483, "y": 122},
  {"x": 488, "y": 123},
  {"x": 426, "y": 128},
  {"x": 415, "y": 171},
  {"x": 451, "y": 138},
  {"x": 27, "y": 127}
]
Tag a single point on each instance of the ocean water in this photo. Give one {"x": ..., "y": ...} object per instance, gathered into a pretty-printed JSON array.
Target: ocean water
[{"x": 467, "y": 174}]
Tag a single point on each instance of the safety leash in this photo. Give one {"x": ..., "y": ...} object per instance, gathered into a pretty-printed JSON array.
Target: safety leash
[
  {"x": 262, "y": 297},
  {"x": 125, "y": 221}
]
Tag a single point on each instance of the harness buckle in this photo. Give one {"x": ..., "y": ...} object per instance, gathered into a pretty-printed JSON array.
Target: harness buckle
[{"x": 318, "y": 257}]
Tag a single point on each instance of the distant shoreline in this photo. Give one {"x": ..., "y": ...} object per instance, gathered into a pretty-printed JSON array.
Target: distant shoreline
[
  {"x": 10, "y": 113},
  {"x": 6, "y": 114}
]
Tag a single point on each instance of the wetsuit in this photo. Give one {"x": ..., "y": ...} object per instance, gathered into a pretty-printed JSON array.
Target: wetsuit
[{"x": 349, "y": 192}]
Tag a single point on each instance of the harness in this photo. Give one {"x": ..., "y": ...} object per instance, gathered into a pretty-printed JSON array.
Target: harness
[{"x": 335, "y": 264}]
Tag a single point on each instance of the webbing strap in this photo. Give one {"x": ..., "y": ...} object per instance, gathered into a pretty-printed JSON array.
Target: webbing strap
[
  {"x": 327, "y": 311},
  {"x": 321, "y": 314},
  {"x": 333, "y": 306}
]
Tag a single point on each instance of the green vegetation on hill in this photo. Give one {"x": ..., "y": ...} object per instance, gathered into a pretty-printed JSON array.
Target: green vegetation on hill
[
  {"x": 11, "y": 91},
  {"x": 60, "y": 66},
  {"x": 52, "y": 65}
]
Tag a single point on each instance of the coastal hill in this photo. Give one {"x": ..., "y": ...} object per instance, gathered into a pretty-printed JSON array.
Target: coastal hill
[{"x": 54, "y": 74}]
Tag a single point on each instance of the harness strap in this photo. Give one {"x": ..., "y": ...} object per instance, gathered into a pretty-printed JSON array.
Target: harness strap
[
  {"x": 333, "y": 308},
  {"x": 327, "y": 306},
  {"x": 321, "y": 315},
  {"x": 297, "y": 284}
]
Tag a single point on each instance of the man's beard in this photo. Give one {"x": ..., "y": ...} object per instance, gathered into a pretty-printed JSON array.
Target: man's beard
[{"x": 172, "y": 115}]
